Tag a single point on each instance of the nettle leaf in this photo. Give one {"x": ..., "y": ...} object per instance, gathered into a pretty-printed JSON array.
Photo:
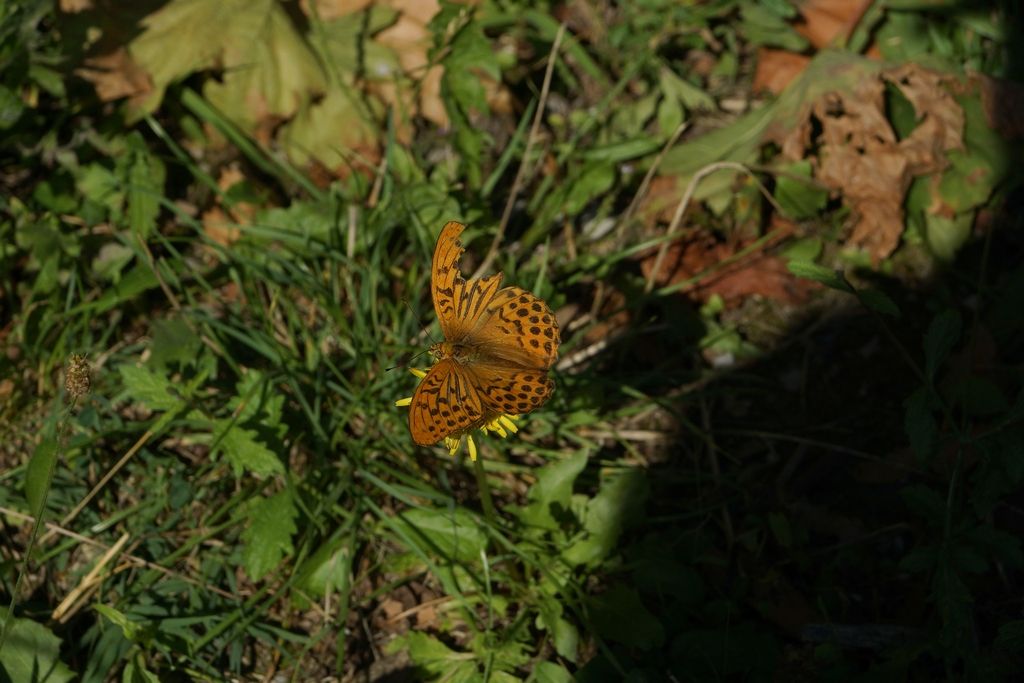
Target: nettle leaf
[
  {"x": 149, "y": 388},
  {"x": 550, "y": 496},
  {"x": 244, "y": 450},
  {"x": 254, "y": 400},
  {"x": 145, "y": 187},
  {"x": 435, "y": 658},
  {"x": 616, "y": 504},
  {"x": 942, "y": 335},
  {"x": 455, "y": 534},
  {"x": 268, "y": 539},
  {"x": 31, "y": 653}
]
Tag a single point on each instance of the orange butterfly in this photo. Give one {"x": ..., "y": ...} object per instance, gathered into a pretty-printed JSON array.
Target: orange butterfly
[{"x": 499, "y": 344}]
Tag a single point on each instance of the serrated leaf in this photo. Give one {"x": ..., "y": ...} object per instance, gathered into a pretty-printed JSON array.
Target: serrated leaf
[
  {"x": 942, "y": 335},
  {"x": 455, "y": 534},
  {"x": 436, "y": 658},
  {"x": 553, "y": 491},
  {"x": 244, "y": 450},
  {"x": 826, "y": 276},
  {"x": 145, "y": 189},
  {"x": 148, "y": 388},
  {"x": 268, "y": 539},
  {"x": 37, "y": 474},
  {"x": 31, "y": 653}
]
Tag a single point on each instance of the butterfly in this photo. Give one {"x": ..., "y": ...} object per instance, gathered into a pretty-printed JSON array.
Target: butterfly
[{"x": 499, "y": 344}]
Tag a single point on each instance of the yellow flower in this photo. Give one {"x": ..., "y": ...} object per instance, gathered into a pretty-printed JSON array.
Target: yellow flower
[{"x": 501, "y": 425}]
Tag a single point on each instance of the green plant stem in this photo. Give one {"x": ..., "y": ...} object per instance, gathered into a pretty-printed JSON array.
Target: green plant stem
[{"x": 485, "y": 492}]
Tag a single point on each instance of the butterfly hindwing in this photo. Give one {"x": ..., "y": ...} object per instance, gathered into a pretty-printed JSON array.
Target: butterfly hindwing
[
  {"x": 505, "y": 389},
  {"x": 446, "y": 401}
]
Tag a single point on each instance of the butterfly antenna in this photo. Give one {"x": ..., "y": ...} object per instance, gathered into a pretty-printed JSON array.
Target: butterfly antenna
[
  {"x": 424, "y": 331},
  {"x": 405, "y": 365}
]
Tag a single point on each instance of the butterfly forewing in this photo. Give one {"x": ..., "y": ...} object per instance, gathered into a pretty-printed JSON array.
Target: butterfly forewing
[
  {"x": 446, "y": 401},
  {"x": 459, "y": 303}
]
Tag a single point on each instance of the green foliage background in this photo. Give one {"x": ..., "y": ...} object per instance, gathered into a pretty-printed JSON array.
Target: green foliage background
[{"x": 714, "y": 492}]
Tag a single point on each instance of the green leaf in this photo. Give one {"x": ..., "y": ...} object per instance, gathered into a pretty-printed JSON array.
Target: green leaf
[
  {"x": 267, "y": 69},
  {"x": 327, "y": 131},
  {"x": 148, "y": 388},
  {"x": 551, "y": 494},
  {"x": 616, "y": 504},
  {"x": 462, "y": 91},
  {"x": 111, "y": 260},
  {"x": 11, "y": 107},
  {"x": 594, "y": 180},
  {"x": 454, "y": 534},
  {"x": 550, "y": 672},
  {"x": 564, "y": 634},
  {"x": 137, "y": 632},
  {"x": 920, "y": 424},
  {"x": 268, "y": 539},
  {"x": 946, "y": 235},
  {"x": 799, "y": 200},
  {"x": 878, "y": 301},
  {"x": 173, "y": 343},
  {"x": 146, "y": 176},
  {"x": 762, "y": 26},
  {"x": 31, "y": 653},
  {"x": 244, "y": 450},
  {"x": 826, "y": 276},
  {"x": 435, "y": 658},
  {"x": 38, "y": 474},
  {"x": 942, "y": 335},
  {"x": 327, "y": 570},
  {"x": 806, "y": 249},
  {"x": 618, "y": 614}
]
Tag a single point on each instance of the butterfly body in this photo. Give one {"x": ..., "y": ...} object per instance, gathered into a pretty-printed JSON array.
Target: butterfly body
[{"x": 499, "y": 344}]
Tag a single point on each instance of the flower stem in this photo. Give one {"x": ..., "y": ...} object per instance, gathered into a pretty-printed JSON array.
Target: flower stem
[{"x": 485, "y": 491}]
